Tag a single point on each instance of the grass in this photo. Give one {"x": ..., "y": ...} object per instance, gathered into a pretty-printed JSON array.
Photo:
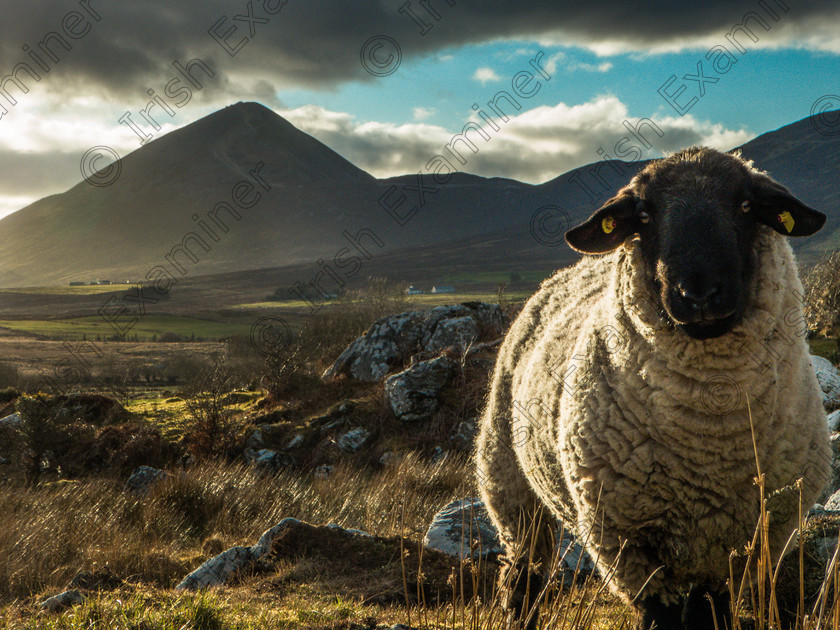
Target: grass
[
  {"x": 68, "y": 290},
  {"x": 146, "y": 327}
]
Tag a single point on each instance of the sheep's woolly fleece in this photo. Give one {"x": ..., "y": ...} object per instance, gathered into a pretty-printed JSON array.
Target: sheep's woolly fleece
[{"x": 633, "y": 433}]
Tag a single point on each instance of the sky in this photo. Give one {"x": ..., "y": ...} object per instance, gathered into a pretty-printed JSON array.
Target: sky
[{"x": 388, "y": 84}]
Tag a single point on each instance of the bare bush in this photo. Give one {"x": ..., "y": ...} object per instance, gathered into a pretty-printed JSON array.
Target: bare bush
[
  {"x": 210, "y": 429},
  {"x": 822, "y": 295}
]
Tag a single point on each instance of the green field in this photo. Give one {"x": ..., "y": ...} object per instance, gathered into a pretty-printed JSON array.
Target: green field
[
  {"x": 68, "y": 290},
  {"x": 145, "y": 328}
]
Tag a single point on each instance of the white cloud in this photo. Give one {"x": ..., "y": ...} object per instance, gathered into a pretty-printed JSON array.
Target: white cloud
[
  {"x": 485, "y": 74},
  {"x": 534, "y": 146},
  {"x": 605, "y": 66},
  {"x": 421, "y": 113}
]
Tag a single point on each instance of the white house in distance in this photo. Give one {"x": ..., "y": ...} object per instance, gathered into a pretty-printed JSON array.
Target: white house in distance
[
  {"x": 443, "y": 289},
  {"x": 412, "y": 290}
]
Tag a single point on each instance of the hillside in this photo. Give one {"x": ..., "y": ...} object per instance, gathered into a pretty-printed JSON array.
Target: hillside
[{"x": 309, "y": 196}]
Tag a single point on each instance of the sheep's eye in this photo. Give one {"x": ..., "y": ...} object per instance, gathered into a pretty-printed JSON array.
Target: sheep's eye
[
  {"x": 644, "y": 217},
  {"x": 745, "y": 206}
]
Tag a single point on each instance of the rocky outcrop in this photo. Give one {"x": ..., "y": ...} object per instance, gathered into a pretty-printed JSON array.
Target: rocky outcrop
[
  {"x": 413, "y": 393},
  {"x": 143, "y": 478},
  {"x": 390, "y": 342},
  {"x": 828, "y": 377}
]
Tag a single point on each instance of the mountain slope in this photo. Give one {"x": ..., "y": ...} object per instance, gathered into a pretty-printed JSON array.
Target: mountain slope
[{"x": 312, "y": 203}]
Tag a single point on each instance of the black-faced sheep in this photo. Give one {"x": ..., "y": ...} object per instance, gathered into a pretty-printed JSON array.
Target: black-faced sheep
[{"x": 620, "y": 396}]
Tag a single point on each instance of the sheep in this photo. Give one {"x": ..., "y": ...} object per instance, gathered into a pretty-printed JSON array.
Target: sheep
[{"x": 624, "y": 393}]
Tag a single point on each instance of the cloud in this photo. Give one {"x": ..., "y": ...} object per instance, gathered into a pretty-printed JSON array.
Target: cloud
[
  {"x": 130, "y": 47},
  {"x": 534, "y": 146},
  {"x": 485, "y": 74},
  {"x": 421, "y": 113}
]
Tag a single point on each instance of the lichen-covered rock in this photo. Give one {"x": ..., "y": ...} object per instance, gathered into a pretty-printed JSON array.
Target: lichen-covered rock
[
  {"x": 143, "y": 478},
  {"x": 59, "y": 602},
  {"x": 834, "y": 421},
  {"x": 217, "y": 570},
  {"x": 12, "y": 420},
  {"x": 463, "y": 529},
  {"x": 353, "y": 440},
  {"x": 828, "y": 377},
  {"x": 458, "y": 332},
  {"x": 269, "y": 461},
  {"x": 413, "y": 393},
  {"x": 391, "y": 341}
]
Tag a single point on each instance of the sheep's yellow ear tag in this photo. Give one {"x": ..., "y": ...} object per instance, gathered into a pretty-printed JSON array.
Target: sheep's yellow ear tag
[
  {"x": 785, "y": 219},
  {"x": 607, "y": 224}
]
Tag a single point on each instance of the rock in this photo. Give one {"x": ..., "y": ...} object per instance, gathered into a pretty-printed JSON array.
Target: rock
[
  {"x": 438, "y": 455},
  {"x": 353, "y": 440},
  {"x": 143, "y": 478},
  {"x": 271, "y": 462},
  {"x": 413, "y": 393},
  {"x": 59, "y": 602},
  {"x": 834, "y": 421},
  {"x": 256, "y": 440},
  {"x": 833, "y": 503},
  {"x": 388, "y": 457},
  {"x": 463, "y": 528},
  {"x": 828, "y": 377},
  {"x": 295, "y": 442},
  {"x": 11, "y": 420},
  {"x": 833, "y": 482},
  {"x": 217, "y": 570},
  {"x": 458, "y": 331},
  {"x": 391, "y": 341},
  {"x": 263, "y": 545},
  {"x": 464, "y": 435},
  {"x": 323, "y": 471}
]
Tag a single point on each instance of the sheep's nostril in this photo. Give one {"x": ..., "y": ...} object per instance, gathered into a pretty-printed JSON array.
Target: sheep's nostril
[{"x": 700, "y": 297}]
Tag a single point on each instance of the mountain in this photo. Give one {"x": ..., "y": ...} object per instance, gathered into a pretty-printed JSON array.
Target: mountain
[{"x": 244, "y": 189}]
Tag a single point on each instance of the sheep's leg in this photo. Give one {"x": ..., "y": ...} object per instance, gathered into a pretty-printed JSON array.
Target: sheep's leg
[
  {"x": 697, "y": 613},
  {"x": 526, "y": 530},
  {"x": 661, "y": 616}
]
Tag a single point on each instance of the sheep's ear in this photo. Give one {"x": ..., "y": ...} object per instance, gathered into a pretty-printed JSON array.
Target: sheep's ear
[
  {"x": 605, "y": 230},
  {"x": 774, "y": 205}
]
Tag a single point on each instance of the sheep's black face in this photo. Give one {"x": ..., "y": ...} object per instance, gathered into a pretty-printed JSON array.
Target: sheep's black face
[
  {"x": 696, "y": 215},
  {"x": 697, "y": 246}
]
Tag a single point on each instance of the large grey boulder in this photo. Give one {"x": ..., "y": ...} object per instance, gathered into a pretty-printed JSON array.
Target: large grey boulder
[
  {"x": 463, "y": 529},
  {"x": 143, "y": 478},
  {"x": 353, "y": 440},
  {"x": 828, "y": 377},
  {"x": 390, "y": 342},
  {"x": 218, "y": 570},
  {"x": 59, "y": 602},
  {"x": 413, "y": 393}
]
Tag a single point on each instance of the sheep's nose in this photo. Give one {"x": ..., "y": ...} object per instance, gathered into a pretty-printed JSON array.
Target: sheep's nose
[{"x": 700, "y": 297}]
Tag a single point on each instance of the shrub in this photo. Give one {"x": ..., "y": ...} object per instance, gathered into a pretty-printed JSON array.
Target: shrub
[
  {"x": 822, "y": 295},
  {"x": 210, "y": 430}
]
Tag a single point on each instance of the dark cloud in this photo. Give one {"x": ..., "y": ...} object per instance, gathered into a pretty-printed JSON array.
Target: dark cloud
[{"x": 133, "y": 45}]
